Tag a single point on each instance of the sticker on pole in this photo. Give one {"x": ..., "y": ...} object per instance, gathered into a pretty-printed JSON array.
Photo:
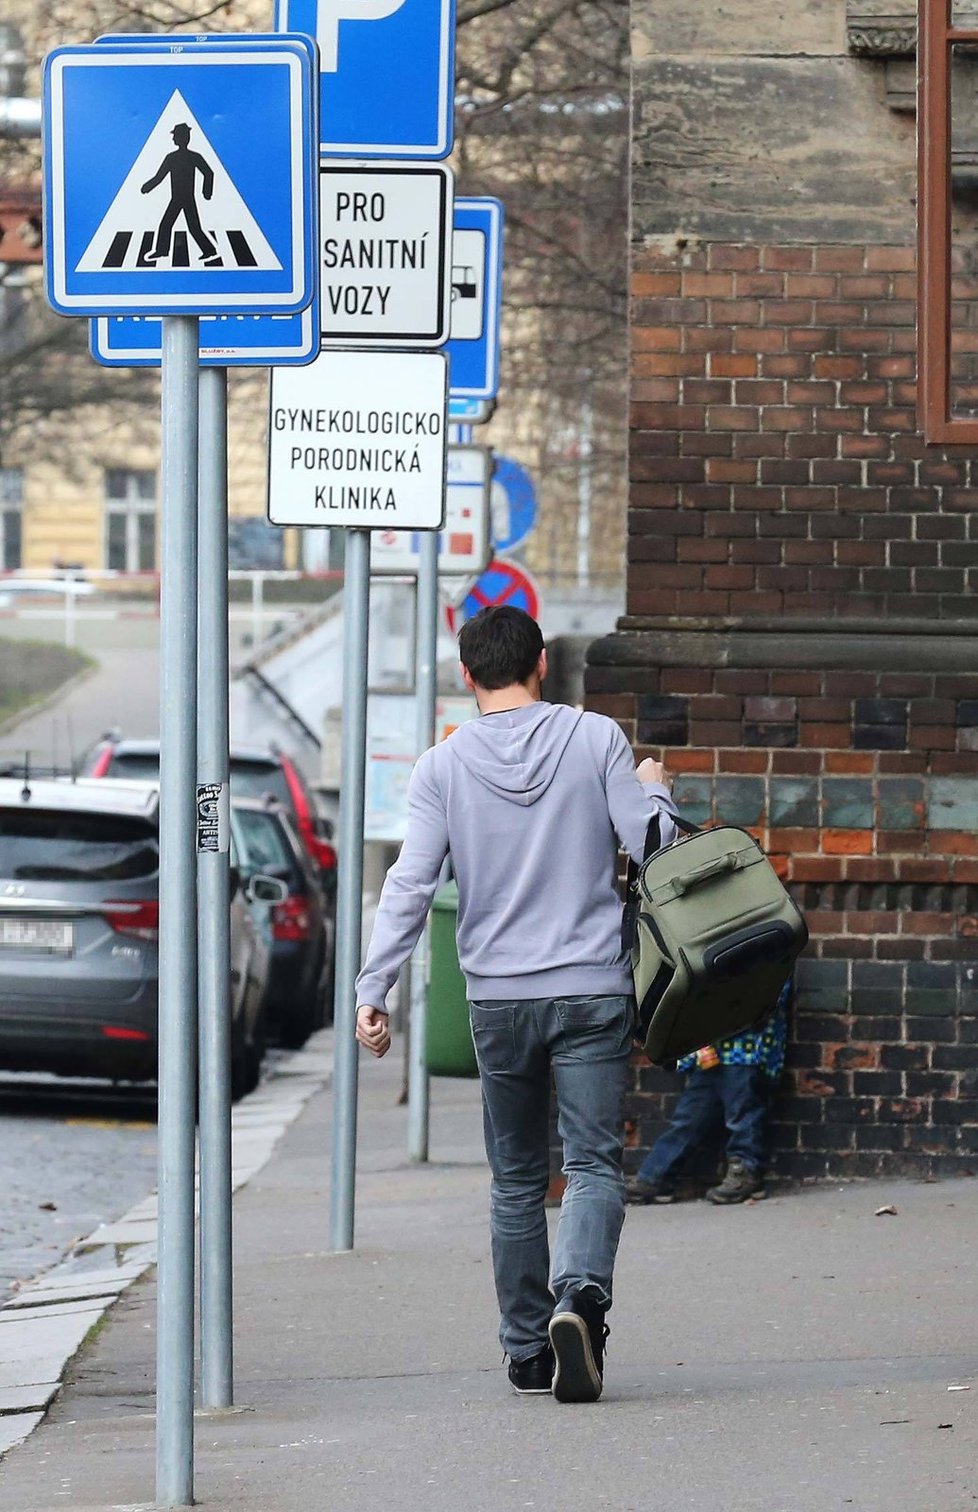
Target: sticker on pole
[
  {"x": 357, "y": 439},
  {"x": 182, "y": 181},
  {"x": 213, "y": 818}
]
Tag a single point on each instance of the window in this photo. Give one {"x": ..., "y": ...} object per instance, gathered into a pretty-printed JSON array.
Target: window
[
  {"x": 947, "y": 222},
  {"x": 261, "y": 836},
  {"x": 130, "y": 520},
  {"x": 11, "y": 517},
  {"x": 41, "y": 845}
]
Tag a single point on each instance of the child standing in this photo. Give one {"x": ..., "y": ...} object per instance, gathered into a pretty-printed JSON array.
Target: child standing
[{"x": 730, "y": 1082}]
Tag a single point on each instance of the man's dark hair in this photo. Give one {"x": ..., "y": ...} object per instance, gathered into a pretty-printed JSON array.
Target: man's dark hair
[{"x": 500, "y": 646}]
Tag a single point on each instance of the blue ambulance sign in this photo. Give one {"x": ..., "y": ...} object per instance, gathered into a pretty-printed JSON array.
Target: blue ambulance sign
[
  {"x": 225, "y": 340},
  {"x": 387, "y": 74},
  {"x": 477, "y": 284},
  {"x": 181, "y": 181}
]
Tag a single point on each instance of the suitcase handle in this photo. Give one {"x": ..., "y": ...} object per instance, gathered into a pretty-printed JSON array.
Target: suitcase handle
[{"x": 716, "y": 868}]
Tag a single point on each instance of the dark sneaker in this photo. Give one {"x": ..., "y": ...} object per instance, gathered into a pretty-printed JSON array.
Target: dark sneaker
[
  {"x": 577, "y": 1333},
  {"x": 533, "y": 1377},
  {"x": 739, "y": 1183},
  {"x": 642, "y": 1192}
]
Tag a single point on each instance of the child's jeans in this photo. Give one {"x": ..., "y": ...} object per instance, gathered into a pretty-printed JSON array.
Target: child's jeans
[{"x": 733, "y": 1096}]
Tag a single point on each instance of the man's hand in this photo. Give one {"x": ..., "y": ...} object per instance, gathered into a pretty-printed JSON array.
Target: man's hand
[
  {"x": 653, "y": 771},
  {"x": 373, "y": 1031}
]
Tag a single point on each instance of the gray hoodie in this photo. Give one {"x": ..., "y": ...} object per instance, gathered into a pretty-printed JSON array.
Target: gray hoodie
[{"x": 531, "y": 804}]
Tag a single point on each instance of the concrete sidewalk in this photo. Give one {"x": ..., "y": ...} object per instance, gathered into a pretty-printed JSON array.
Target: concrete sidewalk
[{"x": 791, "y": 1356}]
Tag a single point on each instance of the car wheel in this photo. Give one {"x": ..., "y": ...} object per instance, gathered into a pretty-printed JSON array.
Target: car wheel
[
  {"x": 326, "y": 998},
  {"x": 255, "y": 1053},
  {"x": 239, "y": 1061},
  {"x": 296, "y": 1026}
]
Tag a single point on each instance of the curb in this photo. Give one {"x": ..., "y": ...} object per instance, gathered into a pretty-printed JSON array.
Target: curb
[
  {"x": 29, "y": 711},
  {"x": 46, "y": 1323}
]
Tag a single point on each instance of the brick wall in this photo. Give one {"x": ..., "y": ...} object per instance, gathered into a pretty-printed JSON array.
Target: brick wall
[
  {"x": 776, "y": 465},
  {"x": 801, "y": 644}
]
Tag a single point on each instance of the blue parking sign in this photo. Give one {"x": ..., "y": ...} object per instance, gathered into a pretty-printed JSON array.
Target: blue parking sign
[
  {"x": 477, "y": 286},
  {"x": 387, "y": 74},
  {"x": 180, "y": 181}
]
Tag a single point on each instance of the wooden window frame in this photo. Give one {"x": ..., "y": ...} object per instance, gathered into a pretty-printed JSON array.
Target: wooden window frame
[{"x": 936, "y": 36}]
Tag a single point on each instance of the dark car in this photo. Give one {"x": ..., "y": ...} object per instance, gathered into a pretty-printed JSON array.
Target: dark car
[
  {"x": 299, "y": 996},
  {"x": 79, "y": 931},
  {"x": 255, "y": 773}
]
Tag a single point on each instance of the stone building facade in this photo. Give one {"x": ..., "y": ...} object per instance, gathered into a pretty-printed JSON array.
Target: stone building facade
[{"x": 801, "y": 636}]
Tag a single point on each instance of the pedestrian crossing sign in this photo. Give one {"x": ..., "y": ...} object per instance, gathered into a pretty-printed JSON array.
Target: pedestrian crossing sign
[{"x": 181, "y": 180}]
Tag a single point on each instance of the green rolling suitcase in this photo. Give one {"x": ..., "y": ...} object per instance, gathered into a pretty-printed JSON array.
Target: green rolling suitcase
[{"x": 713, "y": 936}]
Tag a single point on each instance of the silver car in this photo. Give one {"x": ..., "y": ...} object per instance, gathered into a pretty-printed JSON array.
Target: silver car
[{"x": 79, "y": 930}]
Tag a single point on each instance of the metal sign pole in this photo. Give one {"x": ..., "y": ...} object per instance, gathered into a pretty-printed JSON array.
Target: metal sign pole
[
  {"x": 349, "y": 899},
  {"x": 426, "y": 692},
  {"x": 214, "y": 892},
  {"x": 178, "y": 906}
]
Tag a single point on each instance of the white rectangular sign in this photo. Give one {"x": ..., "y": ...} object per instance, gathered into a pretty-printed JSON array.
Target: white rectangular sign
[
  {"x": 357, "y": 439},
  {"x": 463, "y": 545},
  {"x": 384, "y": 268}
]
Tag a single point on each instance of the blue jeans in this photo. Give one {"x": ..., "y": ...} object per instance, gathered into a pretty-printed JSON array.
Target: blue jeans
[
  {"x": 733, "y": 1096},
  {"x": 585, "y": 1043}
]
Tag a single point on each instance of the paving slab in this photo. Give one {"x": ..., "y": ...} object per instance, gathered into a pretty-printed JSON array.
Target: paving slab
[
  {"x": 27, "y": 1342},
  {"x": 61, "y": 1307},
  {"x": 121, "y": 1233},
  {"x": 80, "y": 1292},
  {"x": 15, "y": 1399},
  {"x": 15, "y": 1428}
]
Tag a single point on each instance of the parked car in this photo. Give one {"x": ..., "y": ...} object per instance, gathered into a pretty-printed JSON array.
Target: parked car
[
  {"x": 79, "y": 931},
  {"x": 299, "y": 997},
  {"x": 255, "y": 773}
]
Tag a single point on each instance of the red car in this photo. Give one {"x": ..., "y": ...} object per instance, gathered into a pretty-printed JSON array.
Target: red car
[{"x": 255, "y": 773}]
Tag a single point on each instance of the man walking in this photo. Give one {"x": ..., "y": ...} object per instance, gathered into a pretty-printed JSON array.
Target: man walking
[{"x": 531, "y": 801}]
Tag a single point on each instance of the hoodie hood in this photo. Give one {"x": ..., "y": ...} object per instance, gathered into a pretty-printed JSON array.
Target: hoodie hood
[{"x": 516, "y": 753}]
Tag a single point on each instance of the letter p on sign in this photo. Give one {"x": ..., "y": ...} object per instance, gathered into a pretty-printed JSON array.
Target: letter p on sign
[{"x": 329, "y": 14}]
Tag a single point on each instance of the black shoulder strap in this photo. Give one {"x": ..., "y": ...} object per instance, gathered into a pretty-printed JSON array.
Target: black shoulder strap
[
  {"x": 653, "y": 838},
  {"x": 653, "y": 842}
]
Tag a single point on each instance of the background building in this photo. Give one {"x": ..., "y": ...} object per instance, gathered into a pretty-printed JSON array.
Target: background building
[
  {"x": 542, "y": 110},
  {"x": 801, "y": 633}
]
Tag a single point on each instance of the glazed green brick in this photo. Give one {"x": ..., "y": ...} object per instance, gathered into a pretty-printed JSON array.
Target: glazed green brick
[
  {"x": 810, "y": 972},
  {"x": 694, "y": 798},
  {"x": 875, "y": 1001},
  {"x": 740, "y": 800},
  {"x": 847, "y": 803},
  {"x": 953, "y": 804},
  {"x": 793, "y": 802},
  {"x": 902, "y": 803},
  {"x": 931, "y": 1002},
  {"x": 822, "y": 1000}
]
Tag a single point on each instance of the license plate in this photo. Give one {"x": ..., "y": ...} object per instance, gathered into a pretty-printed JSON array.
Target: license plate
[{"x": 54, "y": 935}]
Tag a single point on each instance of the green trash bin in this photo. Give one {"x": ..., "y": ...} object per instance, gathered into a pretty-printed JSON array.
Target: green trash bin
[{"x": 448, "y": 1048}]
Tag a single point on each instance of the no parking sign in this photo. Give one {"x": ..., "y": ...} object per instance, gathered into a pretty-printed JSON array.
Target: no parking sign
[{"x": 501, "y": 583}]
